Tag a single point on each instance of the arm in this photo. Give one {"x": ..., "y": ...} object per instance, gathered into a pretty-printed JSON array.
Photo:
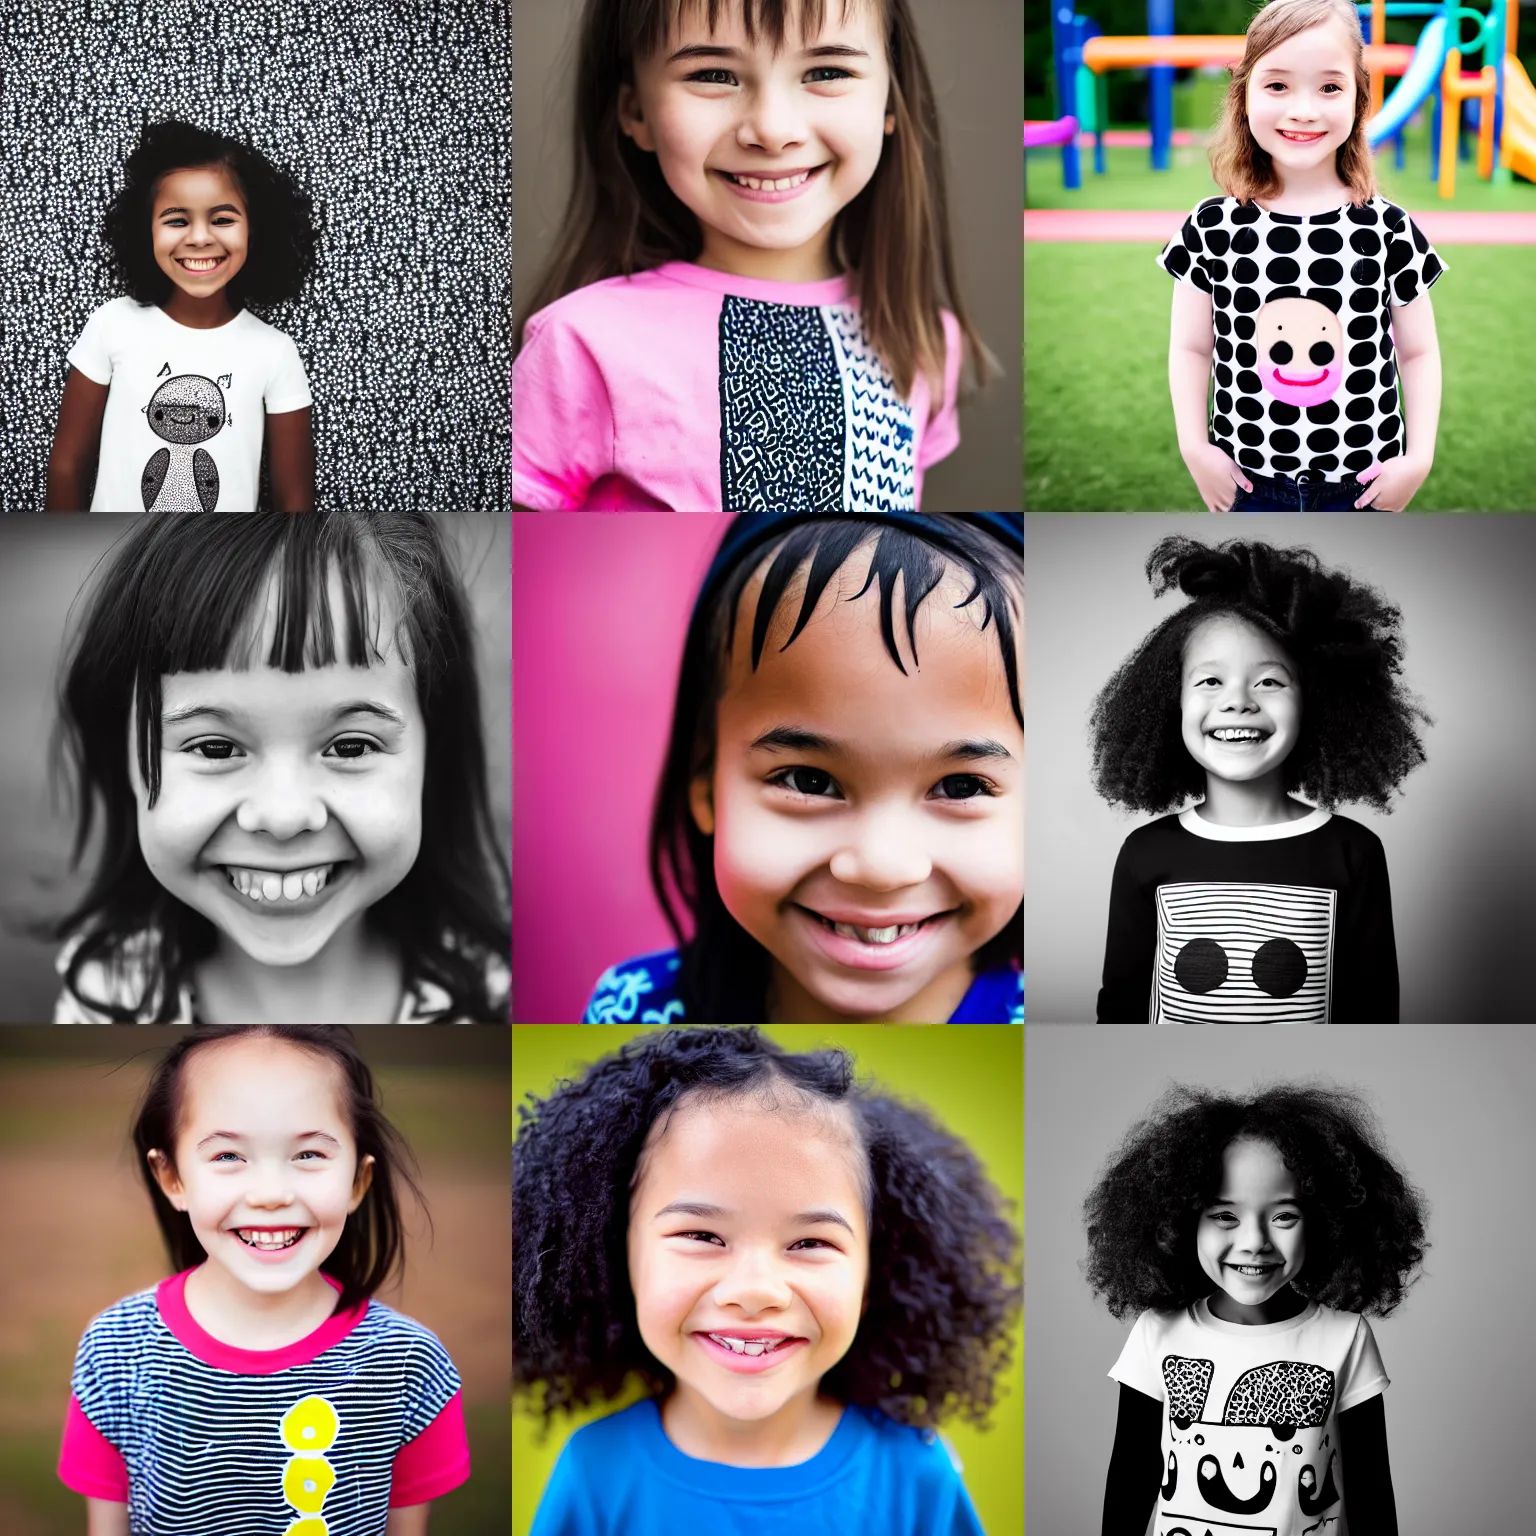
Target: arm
[
  {"x": 76, "y": 442},
  {"x": 410, "y": 1521},
  {"x": 1367, "y": 991},
  {"x": 105, "y": 1518},
  {"x": 291, "y": 460},
  {"x": 1396, "y": 482},
  {"x": 1126, "y": 994},
  {"x": 1190, "y": 343},
  {"x": 1369, "y": 1503},
  {"x": 1135, "y": 1464}
]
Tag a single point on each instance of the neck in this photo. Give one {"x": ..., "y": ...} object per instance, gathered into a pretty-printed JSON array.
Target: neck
[
  {"x": 1321, "y": 188},
  {"x": 1249, "y": 803},
  {"x": 1280, "y": 1308},
  {"x": 787, "y": 1437},
  {"x": 809, "y": 263},
  {"x": 199, "y": 314},
  {"x": 236, "y": 1315},
  {"x": 790, "y": 1003}
]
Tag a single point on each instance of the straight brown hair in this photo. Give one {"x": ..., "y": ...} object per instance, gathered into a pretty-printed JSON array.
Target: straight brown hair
[
  {"x": 1241, "y": 168},
  {"x": 892, "y": 241}
]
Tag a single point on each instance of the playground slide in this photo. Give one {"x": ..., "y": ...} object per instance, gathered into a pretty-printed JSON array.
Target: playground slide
[
  {"x": 1420, "y": 80},
  {"x": 1039, "y": 134},
  {"x": 1518, "y": 151}
]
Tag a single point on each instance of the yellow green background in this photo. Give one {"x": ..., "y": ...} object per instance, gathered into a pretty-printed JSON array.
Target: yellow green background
[{"x": 971, "y": 1078}]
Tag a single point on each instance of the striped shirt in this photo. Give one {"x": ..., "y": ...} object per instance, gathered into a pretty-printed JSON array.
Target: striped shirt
[{"x": 320, "y": 1438}]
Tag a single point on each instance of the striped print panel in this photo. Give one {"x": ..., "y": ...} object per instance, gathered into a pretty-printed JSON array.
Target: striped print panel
[{"x": 1239, "y": 953}]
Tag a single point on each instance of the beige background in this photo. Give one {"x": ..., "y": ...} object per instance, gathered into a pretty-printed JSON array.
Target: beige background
[{"x": 974, "y": 52}]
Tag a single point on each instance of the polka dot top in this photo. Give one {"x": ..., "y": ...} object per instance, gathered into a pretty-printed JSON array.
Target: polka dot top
[{"x": 1304, "y": 361}]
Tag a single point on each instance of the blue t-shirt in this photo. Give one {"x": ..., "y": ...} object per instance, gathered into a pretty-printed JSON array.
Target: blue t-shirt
[
  {"x": 644, "y": 990},
  {"x": 622, "y": 1477}
]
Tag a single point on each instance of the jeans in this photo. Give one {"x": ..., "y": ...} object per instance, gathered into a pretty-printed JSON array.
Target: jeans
[{"x": 1280, "y": 495}]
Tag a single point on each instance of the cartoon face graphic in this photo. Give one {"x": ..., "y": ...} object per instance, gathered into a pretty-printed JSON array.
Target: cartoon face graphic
[
  {"x": 1241, "y": 953},
  {"x": 186, "y": 409},
  {"x": 1301, "y": 352}
]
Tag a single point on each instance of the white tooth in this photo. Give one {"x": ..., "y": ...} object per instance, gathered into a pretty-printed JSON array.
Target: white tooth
[
  {"x": 272, "y": 886},
  {"x": 293, "y": 886},
  {"x": 311, "y": 881},
  {"x": 881, "y": 935}
]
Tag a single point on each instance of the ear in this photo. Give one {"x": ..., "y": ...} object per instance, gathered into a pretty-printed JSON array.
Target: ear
[
  {"x": 361, "y": 1184},
  {"x": 701, "y": 802},
  {"x": 165, "y": 1176},
  {"x": 890, "y": 122},
  {"x": 632, "y": 120}
]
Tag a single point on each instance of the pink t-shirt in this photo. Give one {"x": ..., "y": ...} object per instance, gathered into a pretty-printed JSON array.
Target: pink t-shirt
[
  {"x": 684, "y": 389},
  {"x": 362, "y": 1416}
]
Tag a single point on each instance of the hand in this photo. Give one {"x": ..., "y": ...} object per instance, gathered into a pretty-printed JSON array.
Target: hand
[
  {"x": 1393, "y": 484},
  {"x": 1216, "y": 476}
]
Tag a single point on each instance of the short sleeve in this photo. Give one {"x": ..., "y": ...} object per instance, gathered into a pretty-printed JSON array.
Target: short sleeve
[
  {"x": 1183, "y": 258},
  {"x": 1413, "y": 266},
  {"x": 942, "y": 434},
  {"x": 91, "y": 354},
  {"x": 288, "y": 388},
  {"x": 643, "y": 989},
  {"x": 565, "y": 1509},
  {"x": 562, "y": 419},
  {"x": 1362, "y": 1376},
  {"x": 1136, "y": 1368},
  {"x": 435, "y": 1462},
  {"x": 89, "y": 1464}
]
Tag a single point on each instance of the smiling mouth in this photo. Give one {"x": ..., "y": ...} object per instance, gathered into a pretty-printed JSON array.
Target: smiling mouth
[
  {"x": 877, "y": 936},
  {"x": 270, "y": 1239},
  {"x": 1237, "y": 734},
  {"x": 275, "y": 887},
  {"x": 785, "y": 183},
  {"x": 1301, "y": 138},
  {"x": 1301, "y": 382},
  {"x": 1254, "y": 1271},
  {"x": 750, "y": 1347},
  {"x": 201, "y": 265}
]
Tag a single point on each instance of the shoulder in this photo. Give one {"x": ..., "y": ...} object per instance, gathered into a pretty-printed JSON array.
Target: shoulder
[
  {"x": 583, "y": 309},
  {"x": 1355, "y": 836},
  {"x": 264, "y": 336},
  {"x": 643, "y": 989},
  {"x": 125, "y": 1319},
  {"x": 125, "y": 978},
  {"x": 606, "y": 1444},
  {"x": 117, "y": 315},
  {"x": 921, "y": 1456},
  {"x": 1153, "y": 834},
  {"x": 383, "y": 1327},
  {"x": 429, "y": 1003}
]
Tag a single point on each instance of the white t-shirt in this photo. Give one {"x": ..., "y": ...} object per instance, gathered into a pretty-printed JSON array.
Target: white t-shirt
[
  {"x": 187, "y": 408},
  {"x": 1250, "y": 1416}
]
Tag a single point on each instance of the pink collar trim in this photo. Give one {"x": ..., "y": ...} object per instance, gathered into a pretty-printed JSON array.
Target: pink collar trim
[
  {"x": 171, "y": 1301},
  {"x": 831, "y": 290}
]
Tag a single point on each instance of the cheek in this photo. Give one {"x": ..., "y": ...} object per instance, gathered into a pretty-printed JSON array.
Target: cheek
[{"x": 759, "y": 856}]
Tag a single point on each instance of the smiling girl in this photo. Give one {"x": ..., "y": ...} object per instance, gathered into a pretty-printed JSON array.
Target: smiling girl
[
  {"x": 752, "y": 305},
  {"x": 279, "y": 722},
  {"x": 1254, "y": 906},
  {"x": 805, "y": 1274},
  {"x": 842, "y": 808},
  {"x": 1301, "y": 293},
  {"x": 1250, "y": 1235},
  {"x": 261, "y": 1383},
  {"x": 175, "y": 387}
]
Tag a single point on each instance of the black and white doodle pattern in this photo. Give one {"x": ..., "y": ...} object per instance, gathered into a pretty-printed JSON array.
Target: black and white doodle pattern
[
  {"x": 880, "y": 464},
  {"x": 396, "y": 117}
]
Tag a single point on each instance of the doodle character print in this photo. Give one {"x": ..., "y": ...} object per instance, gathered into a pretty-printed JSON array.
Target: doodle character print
[{"x": 182, "y": 476}]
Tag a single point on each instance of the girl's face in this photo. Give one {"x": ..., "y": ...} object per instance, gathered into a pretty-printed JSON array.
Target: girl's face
[
  {"x": 264, "y": 1164},
  {"x": 289, "y": 802},
  {"x": 747, "y": 1225},
  {"x": 765, "y": 149},
  {"x": 1240, "y": 702},
  {"x": 868, "y": 826},
  {"x": 201, "y": 229},
  {"x": 1301, "y": 98},
  {"x": 1252, "y": 1238}
]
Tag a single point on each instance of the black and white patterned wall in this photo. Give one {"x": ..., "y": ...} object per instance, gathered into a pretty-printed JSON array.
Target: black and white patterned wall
[{"x": 396, "y": 117}]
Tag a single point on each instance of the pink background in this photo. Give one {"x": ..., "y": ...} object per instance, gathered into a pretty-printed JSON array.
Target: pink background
[{"x": 600, "y": 606}]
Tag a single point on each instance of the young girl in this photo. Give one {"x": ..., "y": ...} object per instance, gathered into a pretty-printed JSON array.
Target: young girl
[
  {"x": 841, "y": 810},
  {"x": 1250, "y": 1234},
  {"x": 1254, "y": 907},
  {"x": 174, "y": 385},
  {"x": 261, "y": 1383},
  {"x": 278, "y": 720},
  {"x": 1310, "y": 290},
  {"x": 752, "y": 304},
  {"x": 804, "y": 1275}
]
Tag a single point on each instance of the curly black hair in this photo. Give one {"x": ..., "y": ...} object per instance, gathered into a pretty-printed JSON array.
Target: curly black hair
[
  {"x": 943, "y": 1262},
  {"x": 282, "y": 230},
  {"x": 1364, "y": 1220},
  {"x": 1359, "y": 737}
]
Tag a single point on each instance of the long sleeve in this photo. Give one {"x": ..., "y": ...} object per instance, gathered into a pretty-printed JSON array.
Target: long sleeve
[
  {"x": 1368, "y": 1498},
  {"x": 1129, "y": 945},
  {"x": 1135, "y": 1464},
  {"x": 1367, "y": 991}
]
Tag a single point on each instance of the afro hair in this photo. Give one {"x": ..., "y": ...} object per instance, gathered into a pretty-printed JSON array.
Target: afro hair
[
  {"x": 1359, "y": 738},
  {"x": 1364, "y": 1220},
  {"x": 282, "y": 233},
  {"x": 943, "y": 1261}
]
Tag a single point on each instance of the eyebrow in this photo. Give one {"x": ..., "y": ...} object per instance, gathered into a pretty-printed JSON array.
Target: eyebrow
[
  {"x": 222, "y": 208},
  {"x": 1274, "y": 69},
  {"x": 234, "y": 717},
  {"x": 708, "y": 1212},
  {"x": 1197, "y": 666},
  {"x": 794, "y": 738},
  {"x": 236, "y": 1136},
  {"x": 714, "y": 51},
  {"x": 1227, "y": 1200}
]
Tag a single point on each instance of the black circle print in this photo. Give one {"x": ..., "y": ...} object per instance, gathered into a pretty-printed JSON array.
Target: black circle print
[
  {"x": 1201, "y": 966},
  {"x": 1279, "y": 968}
]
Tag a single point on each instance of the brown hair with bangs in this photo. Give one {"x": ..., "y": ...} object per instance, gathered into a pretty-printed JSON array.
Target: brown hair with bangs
[
  {"x": 892, "y": 240},
  {"x": 1241, "y": 168}
]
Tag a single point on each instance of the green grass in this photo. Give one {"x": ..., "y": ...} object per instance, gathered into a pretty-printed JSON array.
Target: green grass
[{"x": 1098, "y": 423}]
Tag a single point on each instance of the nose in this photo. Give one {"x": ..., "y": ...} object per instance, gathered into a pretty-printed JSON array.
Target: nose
[
  {"x": 1252, "y": 1236},
  {"x": 281, "y": 801},
  {"x": 269, "y": 1190},
  {"x": 1235, "y": 696},
  {"x": 752, "y": 1283},
  {"x": 883, "y": 851},
  {"x": 773, "y": 120}
]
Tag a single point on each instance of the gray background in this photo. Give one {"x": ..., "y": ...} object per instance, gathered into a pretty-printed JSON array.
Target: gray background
[
  {"x": 44, "y": 561},
  {"x": 1461, "y": 841},
  {"x": 972, "y": 49},
  {"x": 1461, "y": 1353},
  {"x": 392, "y": 114}
]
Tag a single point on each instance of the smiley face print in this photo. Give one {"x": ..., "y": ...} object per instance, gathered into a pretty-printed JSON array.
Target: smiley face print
[{"x": 1300, "y": 348}]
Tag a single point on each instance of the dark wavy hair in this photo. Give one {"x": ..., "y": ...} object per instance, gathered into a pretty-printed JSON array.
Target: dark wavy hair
[
  {"x": 1358, "y": 738},
  {"x": 724, "y": 971},
  {"x": 943, "y": 1264},
  {"x": 1364, "y": 1221},
  {"x": 281, "y": 253},
  {"x": 185, "y": 594},
  {"x": 372, "y": 1244}
]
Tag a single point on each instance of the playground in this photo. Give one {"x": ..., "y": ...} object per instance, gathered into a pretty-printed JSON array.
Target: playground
[{"x": 1116, "y": 159}]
